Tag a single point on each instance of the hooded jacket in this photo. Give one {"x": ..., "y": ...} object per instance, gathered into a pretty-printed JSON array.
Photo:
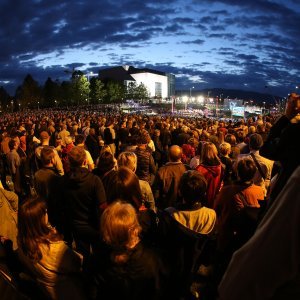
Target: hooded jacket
[
  {"x": 214, "y": 178},
  {"x": 83, "y": 195}
]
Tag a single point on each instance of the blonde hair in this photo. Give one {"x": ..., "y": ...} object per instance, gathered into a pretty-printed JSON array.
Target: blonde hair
[
  {"x": 120, "y": 229},
  {"x": 225, "y": 148},
  {"x": 128, "y": 159},
  {"x": 105, "y": 148},
  {"x": 210, "y": 154}
]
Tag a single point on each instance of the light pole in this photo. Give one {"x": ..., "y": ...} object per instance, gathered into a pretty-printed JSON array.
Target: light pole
[
  {"x": 264, "y": 107},
  {"x": 38, "y": 105},
  {"x": 185, "y": 100},
  {"x": 191, "y": 92}
]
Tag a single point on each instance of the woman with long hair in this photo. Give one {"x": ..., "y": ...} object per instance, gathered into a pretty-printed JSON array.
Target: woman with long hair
[
  {"x": 45, "y": 255},
  {"x": 129, "y": 160},
  {"x": 212, "y": 169},
  {"x": 126, "y": 268},
  {"x": 125, "y": 186}
]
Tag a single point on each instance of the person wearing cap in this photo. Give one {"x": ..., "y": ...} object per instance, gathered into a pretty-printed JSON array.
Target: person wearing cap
[{"x": 44, "y": 136}]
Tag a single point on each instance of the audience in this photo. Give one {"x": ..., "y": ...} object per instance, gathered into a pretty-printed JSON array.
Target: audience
[{"x": 191, "y": 210}]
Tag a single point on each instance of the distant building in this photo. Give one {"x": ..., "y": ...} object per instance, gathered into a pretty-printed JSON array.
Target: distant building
[{"x": 159, "y": 84}]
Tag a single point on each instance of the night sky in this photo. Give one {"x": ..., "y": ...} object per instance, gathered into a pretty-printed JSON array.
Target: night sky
[{"x": 235, "y": 44}]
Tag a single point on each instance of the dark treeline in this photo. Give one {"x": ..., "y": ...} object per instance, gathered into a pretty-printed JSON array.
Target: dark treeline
[{"x": 79, "y": 90}]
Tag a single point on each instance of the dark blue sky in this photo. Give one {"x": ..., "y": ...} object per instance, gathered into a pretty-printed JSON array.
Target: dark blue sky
[{"x": 240, "y": 44}]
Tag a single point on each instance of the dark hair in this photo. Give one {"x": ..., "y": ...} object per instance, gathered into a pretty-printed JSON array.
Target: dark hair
[
  {"x": 105, "y": 162},
  {"x": 192, "y": 187},
  {"x": 125, "y": 185},
  {"x": 33, "y": 229},
  {"x": 246, "y": 169},
  {"x": 79, "y": 139},
  {"x": 11, "y": 144},
  {"x": 255, "y": 141},
  {"x": 231, "y": 139},
  {"x": 143, "y": 138},
  {"x": 241, "y": 136},
  {"x": 47, "y": 154},
  {"x": 76, "y": 157}
]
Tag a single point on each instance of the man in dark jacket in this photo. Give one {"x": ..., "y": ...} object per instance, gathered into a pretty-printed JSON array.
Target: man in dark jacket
[
  {"x": 46, "y": 180},
  {"x": 92, "y": 144},
  {"x": 145, "y": 163},
  {"x": 283, "y": 145},
  {"x": 83, "y": 199}
]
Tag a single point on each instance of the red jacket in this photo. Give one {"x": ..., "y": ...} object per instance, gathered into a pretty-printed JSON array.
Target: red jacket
[{"x": 214, "y": 178}]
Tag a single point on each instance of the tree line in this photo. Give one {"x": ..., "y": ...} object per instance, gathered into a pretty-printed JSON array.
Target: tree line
[{"x": 76, "y": 91}]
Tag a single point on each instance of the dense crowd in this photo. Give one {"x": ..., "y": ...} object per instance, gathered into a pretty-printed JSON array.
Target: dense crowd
[{"x": 97, "y": 204}]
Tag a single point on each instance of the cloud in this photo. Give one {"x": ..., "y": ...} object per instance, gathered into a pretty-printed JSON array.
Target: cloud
[
  {"x": 241, "y": 41},
  {"x": 196, "y": 42}
]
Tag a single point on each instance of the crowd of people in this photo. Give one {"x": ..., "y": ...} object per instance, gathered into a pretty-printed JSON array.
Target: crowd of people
[{"x": 105, "y": 205}]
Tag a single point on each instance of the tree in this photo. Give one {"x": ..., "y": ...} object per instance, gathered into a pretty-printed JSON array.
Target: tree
[
  {"x": 80, "y": 89},
  {"x": 66, "y": 93},
  {"x": 4, "y": 98},
  {"x": 131, "y": 90},
  {"x": 115, "y": 92},
  {"x": 98, "y": 91},
  {"x": 51, "y": 92},
  {"x": 141, "y": 92},
  {"x": 137, "y": 92},
  {"x": 29, "y": 93}
]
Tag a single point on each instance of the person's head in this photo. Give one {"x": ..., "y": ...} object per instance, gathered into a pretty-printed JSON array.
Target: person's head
[
  {"x": 225, "y": 149},
  {"x": 12, "y": 144},
  {"x": 246, "y": 169},
  {"x": 125, "y": 185},
  {"x": 143, "y": 139},
  {"x": 44, "y": 136},
  {"x": 77, "y": 157},
  {"x": 260, "y": 128},
  {"x": 231, "y": 139},
  {"x": 68, "y": 140},
  {"x": 251, "y": 129},
  {"x": 241, "y": 136},
  {"x": 192, "y": 187},
  {"x": 33, "y": 228},
  {"x": 79, "y": 139},
  {"x": 120, "y": 229},
  {"x": 255, "y": 142},
  {"x": 47, "y": 156},
  {"x": 92, "y": 131},
  {"x": 105, "y": 148},
  {"x": 175, "y": 153},
  {"x": 210, "y": 154},
  {"x": 106, "y": 162},
  {"x": 128, "y": 159}
]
